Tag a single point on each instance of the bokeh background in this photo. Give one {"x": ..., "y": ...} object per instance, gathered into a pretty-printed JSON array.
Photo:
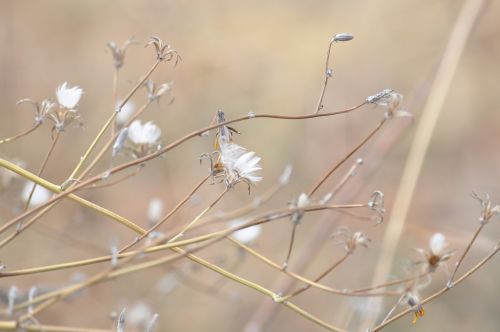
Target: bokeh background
[{"x": 264, "y": 57}]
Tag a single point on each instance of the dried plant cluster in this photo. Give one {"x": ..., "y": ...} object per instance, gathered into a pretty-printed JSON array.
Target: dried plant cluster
[{"x": 124, "y": 135}]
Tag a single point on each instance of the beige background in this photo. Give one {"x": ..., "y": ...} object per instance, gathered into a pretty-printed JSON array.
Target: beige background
[{"x": 265, "y": 57}]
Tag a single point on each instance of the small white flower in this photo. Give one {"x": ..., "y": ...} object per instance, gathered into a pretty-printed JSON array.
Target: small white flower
[
  {"x": 239, "y": 164},
  {"x": 125, "y": 113},
  {"x": 40, "y": 195},
  {"x": 303, "y": 200},
  {"x": 147, "y": 133},
  {"x": 437, "y": 244},
  {"x": 139, "y": 315},
  {"x": 155, "y": 211},
  {"x": 68, "y": 97},
  {"x": 246, "y": 235}
]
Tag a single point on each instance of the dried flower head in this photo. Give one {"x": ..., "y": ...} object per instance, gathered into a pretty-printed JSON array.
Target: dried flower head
[
  {"x": 155, "y": 92},
  {"x": 391, "y": 100},
  {"x": 144, "y": 138},
  {"x": 118, "y": 53},
  {"x": 413, "y": 301},
  {"x": 239, "y": 165},
  {"x": 164, "y": 52},
  {"x": 41, "y": 109},
  {"x": 68, "y": 97},
  {"x": 376, "y": 204},
  {"x": 246, "y": 235},
  {"x": 437, "y": 253},
  {"x": 488, "y": 211},
  {"x": 351, "y": 240}
]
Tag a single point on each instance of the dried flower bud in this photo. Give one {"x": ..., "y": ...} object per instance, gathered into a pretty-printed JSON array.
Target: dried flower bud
[
  {"x": 120, "y": 325},
  {"x": 488, "y": 211},
  {"x": 118, "y": 53},
  {"x": 155, "y": 211},
  {"x": 163, "y": 51},
  {"x": 120, "y": 141},
  {"x": 285, "y": 176},
  {"x": 342, "y": 37}
]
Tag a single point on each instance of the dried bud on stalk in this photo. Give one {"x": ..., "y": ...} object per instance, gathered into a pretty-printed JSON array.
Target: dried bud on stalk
[{"x": 342, "y": 37}]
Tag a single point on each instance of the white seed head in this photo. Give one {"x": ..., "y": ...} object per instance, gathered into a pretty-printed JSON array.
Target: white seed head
[
  {"x": 239, "y": 164},
  {"x": 285, "y": 176},
  {"x": 302, "y": 200},
  {"x": 155, "y": 211},
  {"x": 125, "y": 113},
  {"x": 437, "y": 244},
  {"x": 40, "y": 195},
  {"x": 245, "y": 235},
  {"x": 139, "y": 315},
  {"x": 147, "y": 133},
  {"x": 68, "y": 97}
]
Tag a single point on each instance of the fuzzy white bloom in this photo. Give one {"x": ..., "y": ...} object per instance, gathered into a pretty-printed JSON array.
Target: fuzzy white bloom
[
  {"x": 303, "y": 200},
  {"x": 125, "y": 113},
  {"x": 68, "y": 97},
  {"x": 167, "y": 283},
  {"x": 155, "y": 210},
  {"x": 239, "y": 164},
  {"x": 40, "y": 195},
  {"x": 147, "y": 133},
  {"x": 139, "y": 315},
  {"x": 246, "y": 235},
  {"x": 285, "y": 176},
  {"x": 437, "y": 244}
]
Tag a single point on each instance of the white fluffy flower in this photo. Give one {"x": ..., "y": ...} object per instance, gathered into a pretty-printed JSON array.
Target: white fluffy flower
[
  {"x": 155, "y": 210},
  {"x": 239, "y": 164},
  {"x": 40, "y": 195},
  {"x": 437, "y": 244},
  {"x": 147, "y": 133},
  {"x": 125, "y": 113},
  {"x": 246, "y": 235},
  {"x": 68, "y": 97},
  {"x": 303, "y": 200},
  {"x": 139, "y": 315}
]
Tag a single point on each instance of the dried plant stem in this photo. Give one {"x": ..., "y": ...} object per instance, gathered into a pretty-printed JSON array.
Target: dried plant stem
[
  {"x": 56, "y": 189},
  {"x": 5, "y": 164},
  {"x": 442, "y": 291},
  {"x": 319, "y": 105},
  {"x": 425, "y": 129},
  {"x": 111, "y": 119},
  {"x": 164, "y": 219},
  {"x": 116, "y": 181},
  {"x": 290, "y": 245},
  {"x": 22, "y": 227},
  {"x": 460, "y": 260},
  {"x": 42, "y": 167},
  {"x": 24, "y": 133},
  {"x": 155, "y": 248},
  {"x": 390, "y": 283},
  {"x": 114, "y": 94},
  {"x": 346, "y": 157},
  {"x": 53, "y": 328},
  {"x": 303, "y": 279},
  {"x": 394, "y": 307},
  {"x": 318, "y": 278},
  {"x": 198, "y": 217}
]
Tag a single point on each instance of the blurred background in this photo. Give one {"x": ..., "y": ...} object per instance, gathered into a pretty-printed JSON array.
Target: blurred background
[{"x": 262, "y": 57}]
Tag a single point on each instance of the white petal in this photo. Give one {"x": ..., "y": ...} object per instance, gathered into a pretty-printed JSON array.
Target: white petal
[
  {"x": 437, "y": 243},
  {"x": 246, "y": 235},
  {"x": 40, "y": 195},
  {"x": 68, "y": 97}
]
